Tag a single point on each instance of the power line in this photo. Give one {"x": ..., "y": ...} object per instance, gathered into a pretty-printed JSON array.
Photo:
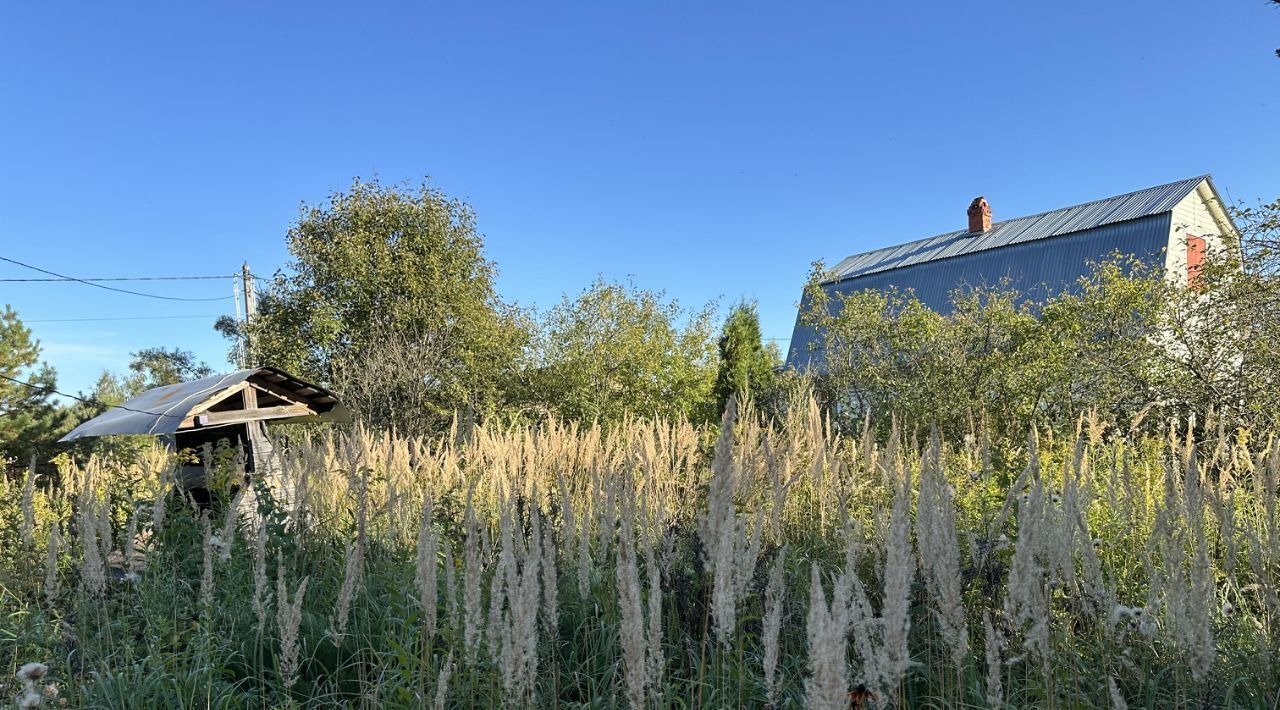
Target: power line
[
  {"x": 105, "y": 318},
  {"x": 108, "y": 288},
  {"x": 89, "y": 401},
  {"x": 125, "y": 278}
]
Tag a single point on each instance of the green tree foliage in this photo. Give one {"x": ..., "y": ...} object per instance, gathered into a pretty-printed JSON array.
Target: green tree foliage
[
  {"x": 390, "y": 299},
  {"x": 616, "y": 350},
  {"x": 28, "y": 416},
  {"x": 1224, "y": 334},
  {"x": 153, "y": 367},
  {"x": 746, "y": 365},
  {"x": 996, "y": 360}
]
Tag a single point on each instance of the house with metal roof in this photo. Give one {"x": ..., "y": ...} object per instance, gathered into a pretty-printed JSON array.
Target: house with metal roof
[{"x": 1168, "y": 227}]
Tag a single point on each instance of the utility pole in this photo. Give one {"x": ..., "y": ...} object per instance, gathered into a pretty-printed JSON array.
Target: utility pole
[{"x": 250, "y": 308}]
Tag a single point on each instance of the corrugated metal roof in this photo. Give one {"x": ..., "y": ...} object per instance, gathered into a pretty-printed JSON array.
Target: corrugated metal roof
[
  {"x": 1036, "y": 269},
  {"x": 160, "y": 410},
  {"x": 1067, "y": 220}
]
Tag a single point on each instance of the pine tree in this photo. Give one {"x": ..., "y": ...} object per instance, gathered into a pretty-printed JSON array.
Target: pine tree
[
  {"x": 746, "y": 365},
  {"x": 27, "y": 416}
]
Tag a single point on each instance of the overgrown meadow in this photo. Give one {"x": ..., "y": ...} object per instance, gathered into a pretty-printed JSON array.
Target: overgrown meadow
[{"x": 658, "y": 565}]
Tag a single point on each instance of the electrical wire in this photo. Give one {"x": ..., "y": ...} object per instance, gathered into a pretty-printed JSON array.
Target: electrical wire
[
  {"x": 108, "y": 288},
  {"x": 106, "y": 318},
  {"x": 126, "y": 278},
  {"x": 89, "y": 401}
]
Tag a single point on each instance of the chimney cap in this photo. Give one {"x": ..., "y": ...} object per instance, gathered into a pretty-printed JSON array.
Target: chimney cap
[{"x": 979, "y": 215}]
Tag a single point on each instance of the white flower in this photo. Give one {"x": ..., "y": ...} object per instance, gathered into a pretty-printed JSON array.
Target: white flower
[
  {"x": 32, "y": 672},
  {"x": 1228, "y": 609},
  {"x": 221, "y": 546},
  {"x": 1147, "y": 628},
  {"x": 30, "y": 699}
]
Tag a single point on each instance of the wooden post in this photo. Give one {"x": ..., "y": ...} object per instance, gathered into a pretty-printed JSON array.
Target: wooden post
[{"x": 250, "y": 309}]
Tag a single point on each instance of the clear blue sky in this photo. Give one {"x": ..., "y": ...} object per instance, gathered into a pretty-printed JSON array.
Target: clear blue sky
[{"x": 709, "y": 149}]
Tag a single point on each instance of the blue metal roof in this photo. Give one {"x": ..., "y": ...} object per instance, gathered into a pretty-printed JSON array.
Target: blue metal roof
[
  {"x": 1039, "y": 256},
  {"x": 1134, "y": 205}
]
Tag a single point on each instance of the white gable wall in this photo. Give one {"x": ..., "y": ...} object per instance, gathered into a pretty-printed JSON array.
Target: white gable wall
[{"x": 1197, "y": 215}]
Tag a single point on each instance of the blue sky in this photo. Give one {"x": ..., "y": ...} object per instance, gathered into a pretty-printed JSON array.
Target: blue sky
[{"x": 709, "y": 149}]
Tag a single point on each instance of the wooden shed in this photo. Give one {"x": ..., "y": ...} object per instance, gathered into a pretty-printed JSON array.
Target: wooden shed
[{"x": 236, "y": 407}]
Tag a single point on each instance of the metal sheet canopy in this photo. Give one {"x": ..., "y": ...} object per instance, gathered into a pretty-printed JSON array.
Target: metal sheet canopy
[{"x": 193, "y": 405}]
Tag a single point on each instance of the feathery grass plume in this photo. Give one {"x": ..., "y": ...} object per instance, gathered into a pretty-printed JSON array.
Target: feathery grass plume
[
  {"x": 774, "y": 604},
  {"x": 995, "y": 668},
  {"x": 352, "y": 574},
  {"x": 103, "y": 522},
  {"x": 1026, "y": 602},
  {"x": 631, "y": 630},
  {"x": 940, "y": 551},
  {"x": 451, "y": 607},
  {"x": 730, "y": 555},
  {"x": 442, "y": 683},
  {"x": 576, "y": 539},
  {"x": 863, "y": 625},
  {"x": 1096, "y": 595},
  {"x": 52, "y": 586},
  {"x": 92, "y": 573},
  {"x": 519, "y": 660},
  {"x": 206, "y": 567},
  {"x": 827, "y": 687},
  {"x": 747, "y": 554},
  {"x": 261, "y": 595},
  {"x": 584, "y": 537},
  {"x": 425, "y": 570},
  {"x": 781, "y": 481},
  {"x": 899, "y": 572},
  {"x": 504, "y": 579},
  {"x": 288, "y": 619},
  {"x": 550, "y": 583},
  {"x": 653, "y": 654},
  {"x": 29, "y": 506},
  {"x": 1196, "y": 627},
  {"x": 353, "y": 567},
  {"x": 160, "y": 505},
  {"x": 128, "y": 546},
  {"x": 223, "y": 541},
  {"x": 472, "y": 576},
  {"x": 1113, "y": 692}
]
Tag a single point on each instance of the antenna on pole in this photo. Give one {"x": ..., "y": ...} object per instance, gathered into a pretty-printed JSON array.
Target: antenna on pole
[{"x": 250, "y": 309}]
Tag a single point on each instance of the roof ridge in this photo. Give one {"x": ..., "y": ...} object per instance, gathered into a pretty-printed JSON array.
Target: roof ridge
[
  {"x": 1122, "y": 195},
  {"x": 836, "y": 276}
]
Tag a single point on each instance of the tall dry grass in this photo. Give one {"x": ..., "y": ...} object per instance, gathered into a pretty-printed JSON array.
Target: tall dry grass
[{"x": 656, "y": 564}]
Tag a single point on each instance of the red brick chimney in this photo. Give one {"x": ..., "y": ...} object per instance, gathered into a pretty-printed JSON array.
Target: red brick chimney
[{"x": 979, "y": 215}]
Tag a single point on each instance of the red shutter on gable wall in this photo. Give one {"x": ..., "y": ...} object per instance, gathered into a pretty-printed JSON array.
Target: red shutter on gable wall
[{"x": 1195, "y": 258}]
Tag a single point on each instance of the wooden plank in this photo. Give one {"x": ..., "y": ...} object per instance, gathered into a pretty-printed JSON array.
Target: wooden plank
[
  {"x": 282, "y": 393},
  {"x": 237, "y": 416},
  {"x": 210, "y": 401}
]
